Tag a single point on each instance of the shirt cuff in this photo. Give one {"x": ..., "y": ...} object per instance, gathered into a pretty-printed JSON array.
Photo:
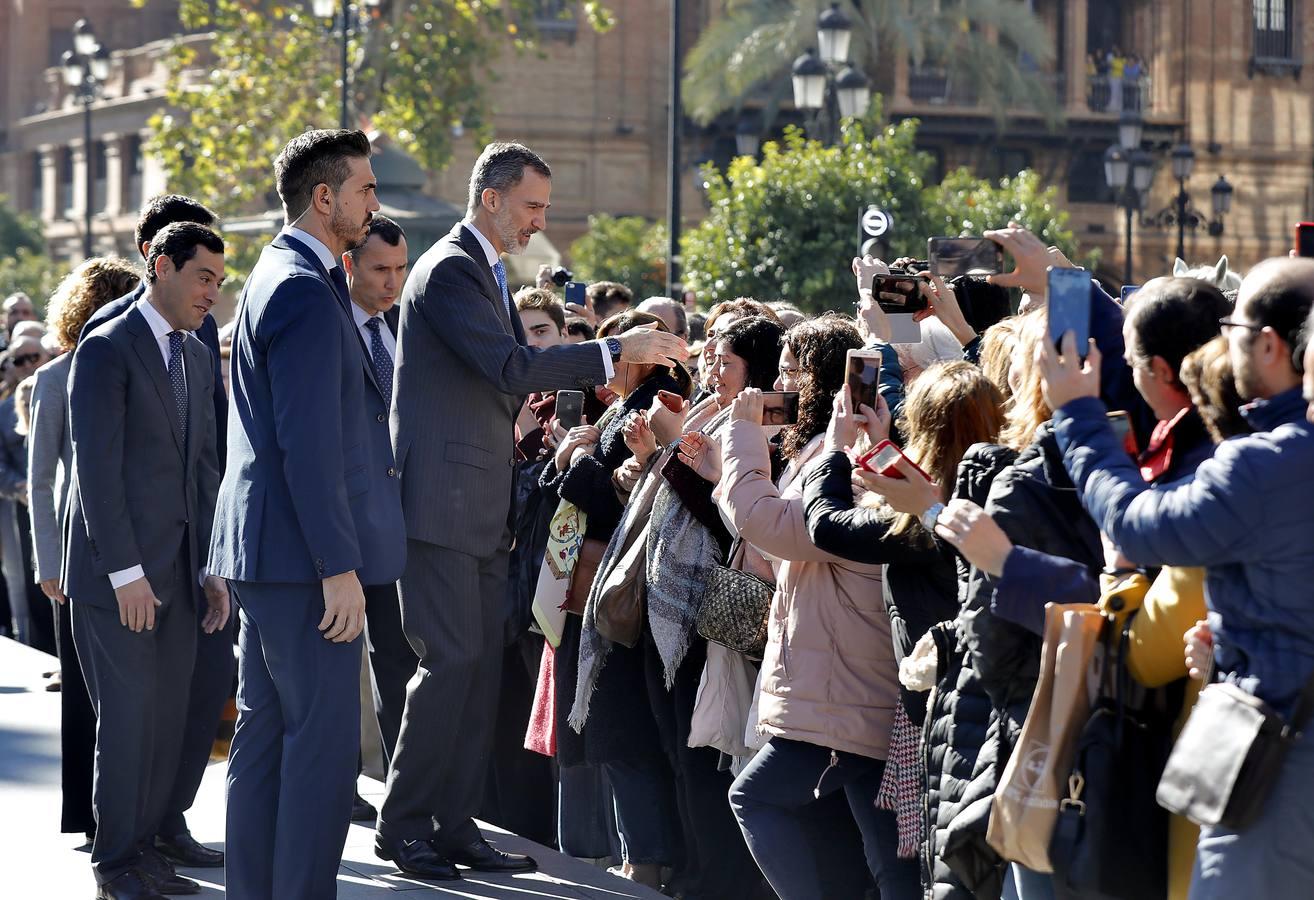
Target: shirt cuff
[
  {"x": 126, "y": 576},
  {"x": 606, "y": 362},
  {"x": 202, "y": 575}
]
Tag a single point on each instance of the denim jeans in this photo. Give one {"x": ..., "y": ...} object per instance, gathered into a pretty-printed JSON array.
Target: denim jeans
[
  {"x": 805, "y": 855},
  {"x": 1274, "y": 856}
]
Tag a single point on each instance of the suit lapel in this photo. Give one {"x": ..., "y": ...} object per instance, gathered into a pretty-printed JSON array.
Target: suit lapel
[
  {"x": 148, "y": 351},
  {"x": 470, "y": 244}
]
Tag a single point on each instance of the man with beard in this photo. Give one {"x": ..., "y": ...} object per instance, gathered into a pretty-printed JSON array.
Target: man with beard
[
  {"x": 308, "y": 513},
  {"x": 458, "y": 390}
]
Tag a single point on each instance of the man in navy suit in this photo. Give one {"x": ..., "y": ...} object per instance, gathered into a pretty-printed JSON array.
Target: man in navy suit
[
  {"x": 308, "y": 512},
  {"x": 212, "y": 676}
]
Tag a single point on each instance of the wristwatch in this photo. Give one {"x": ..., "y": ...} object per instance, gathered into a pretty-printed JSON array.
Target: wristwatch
[
  {"x": 929, "y": 517},
  {"x": 614, "y": 348}
]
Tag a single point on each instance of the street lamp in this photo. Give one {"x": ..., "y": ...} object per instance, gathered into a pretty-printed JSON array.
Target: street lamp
[
  {"x": 1180, "y": 213},
  {"x": 1129, "y": 171},
  {"x": 1221, "y": 196},
  {"x": 86, "y": 67},
  {"x": 825, "y": 83},
  {"x": 747, "y": 137},
  {"x": 345, "y": 19}
]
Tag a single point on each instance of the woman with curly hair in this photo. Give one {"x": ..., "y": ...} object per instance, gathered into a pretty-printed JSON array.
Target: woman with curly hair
[{"x": 50, "y": 463}]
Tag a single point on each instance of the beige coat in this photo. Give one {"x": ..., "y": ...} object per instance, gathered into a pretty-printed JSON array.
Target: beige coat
[{"x": 828, "y": 674}]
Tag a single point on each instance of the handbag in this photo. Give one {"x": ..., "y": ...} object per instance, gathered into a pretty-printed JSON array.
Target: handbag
[
  {"x": 1229, "y": 756},
  {"x": 618, "y": 607},
  {"x": 581, "y": 577},
  {"x": 735, "y": 609},
  {"x": 1111, "y": 837}
]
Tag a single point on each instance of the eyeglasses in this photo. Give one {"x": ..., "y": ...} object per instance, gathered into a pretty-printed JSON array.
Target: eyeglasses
[
  {"x": 26, "y": 359},
  {"x": 1228, "y": 323}
]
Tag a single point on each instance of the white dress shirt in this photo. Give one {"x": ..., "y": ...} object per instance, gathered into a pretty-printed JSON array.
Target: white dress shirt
[
  {"x": 361, "y": 317},
  {"x": 315, "y": 244},
  {"x": 160, "y": 330},
  {"x": 491, "y": 253}
]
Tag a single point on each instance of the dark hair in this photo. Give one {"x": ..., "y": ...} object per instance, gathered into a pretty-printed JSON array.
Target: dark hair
[
  {"x": 697, "y": 324},
  {"x": 608, "y": 297},
  {"x": 983, "y": 304},
  {"x": 821, "y": 347},
  {"x": 1173, "y": 316},
  {"x": 544, "y": 301},
  {"x": 385, "y": 229},
  {"x": 577, "y": 327},
  {"x": 165, "y": 210},
  {"x": 314, "y": 158},
  {"x": 756, "y": 340},
  {"x": 633, "y": 318},
  {"x": 179, "y": 242},
  {"x": 501, "y": 167},
  {"x": 1283, "y": 302}
]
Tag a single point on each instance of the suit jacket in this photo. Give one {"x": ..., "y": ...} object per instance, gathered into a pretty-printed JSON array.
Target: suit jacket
[
  {"x": 140, "y": 492},
  {"x": 49, "y": 464},
  {"x": 209, "y": 335},
  {"x": 462, "y": 372},
  {"x": 310, "y": 489}
]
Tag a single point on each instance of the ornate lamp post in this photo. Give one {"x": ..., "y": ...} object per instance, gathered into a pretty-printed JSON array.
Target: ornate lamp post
[
  {"x": 346, "y": 19},
  {"x": 824, "y": 82},
  {"x": 86, "y": 67}
]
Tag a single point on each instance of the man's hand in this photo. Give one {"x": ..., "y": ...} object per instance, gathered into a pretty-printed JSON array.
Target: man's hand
[
  {"x": 913, "y": 493},
  {"x": 216, "y": 601},
  {"x": 137, "y": 605},
  {"x": 1199, "y": 649},
  {"x": 579, "y": 436},
  {"x": 975, "y": 535},
  {"x": 344, "y": 608},
  {"x": 1065, "y": 377},
  {"x": 1031, "y": 259},
  {"x": 50, "y": 587},
  {"x": 702, "y": 454},
  {"x": 648, "y": 346},
  {"x": 747, "y": 407}
]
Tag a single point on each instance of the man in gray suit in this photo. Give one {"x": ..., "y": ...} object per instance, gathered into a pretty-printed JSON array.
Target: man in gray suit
[
  {"x": 145, "y": 476},
  {"x": 463, "y": 368}
]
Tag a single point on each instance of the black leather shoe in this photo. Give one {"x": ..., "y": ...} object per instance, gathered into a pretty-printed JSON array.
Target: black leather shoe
[
  {"x": 416, "y": 858},
  {"x": 483, "y": 858},
  {"x": 186, "y": 851},
  {"x": 159, "y": 871},
  {"x": 131, "y": 885},
  {"x": 362, "y": 811}
]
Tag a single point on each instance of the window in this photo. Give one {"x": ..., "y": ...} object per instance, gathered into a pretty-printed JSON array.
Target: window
[
  {"x": 66, "y": 184},
  {"x": 1008, "y": 161},
  {"x": 100, "y": 176},
  {"x": 555, "y": 18},
  {"x": 134, "y": 198},
  {"x": 1086, "y": 182},
  {"x": 1275, "y": 48},
  {"x": 38, "y": 185}
]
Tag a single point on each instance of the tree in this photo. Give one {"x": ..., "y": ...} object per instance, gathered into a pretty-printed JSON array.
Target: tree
[
  {"x": 786, "y": 227},
  {"x": 628, "y": 249},
  {"x": 24, "y": 265},
  {"x": 748, "y": 52},
  {"x": 419, "y": 73}
]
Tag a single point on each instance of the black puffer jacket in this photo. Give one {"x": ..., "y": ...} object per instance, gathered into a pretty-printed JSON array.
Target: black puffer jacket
[{"x": 957, "y": 862}]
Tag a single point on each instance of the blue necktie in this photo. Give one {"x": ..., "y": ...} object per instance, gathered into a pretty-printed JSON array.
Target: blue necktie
[
  {"x": 379, "y": 356},
  {"x": 177, "y": 379},
  {"x": 499, "y": 272}
]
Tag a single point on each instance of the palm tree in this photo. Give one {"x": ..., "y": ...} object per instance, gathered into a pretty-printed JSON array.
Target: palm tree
[{"x": 748, "y": 51}]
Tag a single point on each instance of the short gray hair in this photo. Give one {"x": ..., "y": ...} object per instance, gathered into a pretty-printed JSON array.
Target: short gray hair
[{"x": 500, "y": 167}]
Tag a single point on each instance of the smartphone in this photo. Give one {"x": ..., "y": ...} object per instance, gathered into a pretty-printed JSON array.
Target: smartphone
[
  {"x": 1120, "y": 422},
  {"x": 863, "y": 375},
  {"x": 951, "y": 257},
  {"x": 1127, "y": 291},
  {"x": 1305, "y": 239},
  {"x": 881, "y": 460},
  {"x": 1067, "y": 304},
  {"x": 779, "y": 408},
  {"x": 906, "y": 285},
  {"x": 570, "y": 409},
  {"x": 575, "y": 293}
]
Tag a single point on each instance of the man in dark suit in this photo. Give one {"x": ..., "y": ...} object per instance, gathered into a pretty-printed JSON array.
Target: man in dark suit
[
  {"x": 212, "y": 676},
  {"x": 376, "y": 271},
  {"x": 463, "y": 368},
  {"x": 145, "y": 477},
  {"x": 308, "y": 512}
]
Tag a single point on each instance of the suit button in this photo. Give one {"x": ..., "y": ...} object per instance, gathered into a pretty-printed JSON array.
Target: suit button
[
  {"x": 380, "y": 418},
  {"x": 391, "y": 472}
]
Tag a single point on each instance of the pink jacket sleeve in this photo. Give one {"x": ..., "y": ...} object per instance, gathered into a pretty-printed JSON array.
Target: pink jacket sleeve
[{"x": 771, "y": 523}]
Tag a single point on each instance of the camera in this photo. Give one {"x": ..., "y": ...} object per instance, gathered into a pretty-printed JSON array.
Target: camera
[{"x": 561, "y": 275}]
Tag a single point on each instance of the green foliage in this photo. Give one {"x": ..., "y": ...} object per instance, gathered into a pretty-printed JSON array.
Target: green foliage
[
  {"x": 419, "y": 73},
  {"x": 24, "y": 265},
  {"x": 627, "y": 249},
  {"x": 786, "y": 227}
]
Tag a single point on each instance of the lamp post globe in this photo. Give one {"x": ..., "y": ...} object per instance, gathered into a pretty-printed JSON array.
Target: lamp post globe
[{"x": 834, "y": 32}]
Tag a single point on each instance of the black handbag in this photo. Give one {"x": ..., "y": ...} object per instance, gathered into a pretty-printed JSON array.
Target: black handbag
[
  {"x": 1110, "y": 840},
  {"x": 735, "y": 609},
  {"x": 1229, "y": 756}
]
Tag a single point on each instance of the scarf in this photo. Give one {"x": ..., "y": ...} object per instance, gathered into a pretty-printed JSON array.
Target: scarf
[{"x": 569, "y": 522}]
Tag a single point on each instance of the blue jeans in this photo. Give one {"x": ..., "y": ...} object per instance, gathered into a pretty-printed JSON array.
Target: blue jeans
[
  {"x": 1274, "y": 857},
  {"x": 805, "y": 854}
]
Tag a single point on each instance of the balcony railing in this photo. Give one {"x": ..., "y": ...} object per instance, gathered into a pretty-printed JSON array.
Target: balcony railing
[
  {"x": 937, "y": 86},
  {"x": 1113, "y": 95}
]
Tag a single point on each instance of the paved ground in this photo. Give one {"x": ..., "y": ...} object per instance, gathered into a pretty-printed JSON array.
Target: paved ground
[{"x": 39, "y": 863}]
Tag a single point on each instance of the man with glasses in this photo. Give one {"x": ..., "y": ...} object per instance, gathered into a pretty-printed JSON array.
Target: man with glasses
[{"x": 1246, "y": 518}]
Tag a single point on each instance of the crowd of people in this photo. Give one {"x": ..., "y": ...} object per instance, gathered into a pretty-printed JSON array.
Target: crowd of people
[
  {"x": 1116, "y": 80},
  {"x": 728, "y": 659}
]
